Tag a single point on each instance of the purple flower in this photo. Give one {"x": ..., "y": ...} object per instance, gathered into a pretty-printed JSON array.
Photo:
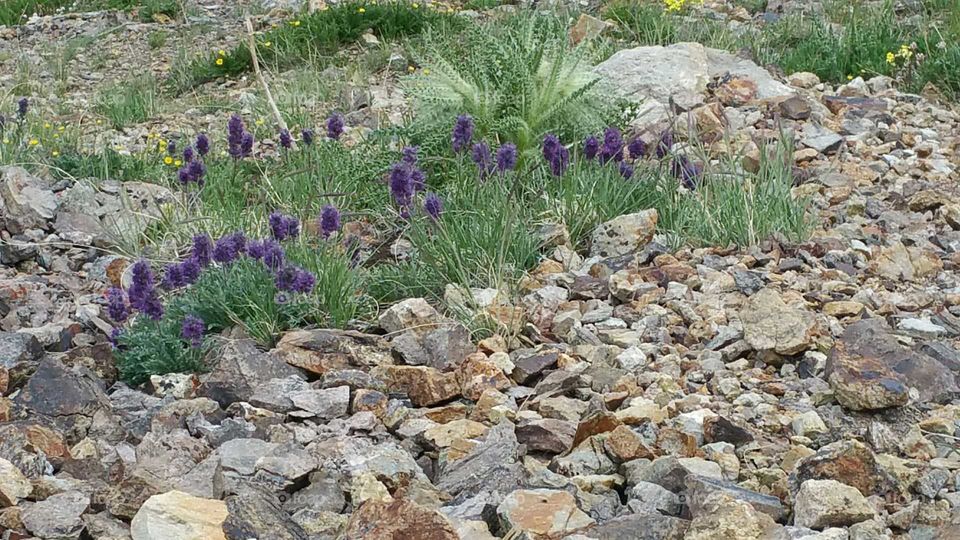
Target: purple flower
[
  {"x": 142, "y": 293},
  {"x": 22, "y": 106},
  {"x": 433, "y": 206},
  {"x": 307, "y": 136},
  {"x": 591, "y": 146},
  {"x": 229, "y": 247},
  {"x": 483, "y": 158},
  {"x": 410, "y": 155},
  {"x": 202, "y": 144},
  {"x": 418, "y": 179},
  {"x": 197, "y": 171},
  {"x": 329, "y": 220},
  {"x": 190, "y": 270},
  {"x": 637, "y": 148},
  {"x": 612, "y": 145},
  {"x": 283, "y": 227},
  {"x": 114, "y": 337},
  {"x": 273, "y": 255},
  {"x": 688, "y": 172},
  {"x": 117, "y": 305},
  {"x": 626, "y": 170},
  {"x": 172, "y": 147},
  {"x": 246, "y": 145},
  {"x": 335, "y": 126},
  {"x": 192, "y": 330},
  {"x": 188, "y": 154},
  {"x": 235, "y": 136},
  {"x": 506, "y": 157},
  {"x": 293, "y": 279},
  {"x": 286, "y": 140},
  {"x": 202, "y": 249},
  {"x": 557, "y": 155},
  {"x": 172, "y": 277},
  {"x": 401, "y": 185},
  {"x": 255, "y": 249},
  {"x": 462, "y": 133},
  {"x": 664, "y": 144}
]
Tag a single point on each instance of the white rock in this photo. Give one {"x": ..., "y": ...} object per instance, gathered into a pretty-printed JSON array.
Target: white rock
[{"x": 177, "y": 515}]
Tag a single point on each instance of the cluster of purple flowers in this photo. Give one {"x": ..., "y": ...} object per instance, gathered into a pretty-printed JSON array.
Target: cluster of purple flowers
[
  {"x": 483, "y": 158},
  {"x": 180, "y": 274},
  {"x": 193, "y": 169},
  {"x": 334, "y": 126},
  {"x": 143, "y": 293},
  {"x": 462, "y": 133},
  {"x": 22, "y": 105},
  {"x": 433, "y": 206},
  {"x": 117, "y": 305},
  {"x": 329, "y": 220},
  {"x": 556, "y": 154},
  {"x": 267, "y": 251},
  {"x": 239, "y": 140},
  {"x": 406, "y": 179},
  {"x": 612, "y": 149},
  {"x": 229, "y": 247},
  {"x": 293, "y": 279},
  {"x": 192, "y": 330},
  {"x": 283, "y": 227},
  {"x": 506, "y": 157},
  {"x": 286, "y": 140}
]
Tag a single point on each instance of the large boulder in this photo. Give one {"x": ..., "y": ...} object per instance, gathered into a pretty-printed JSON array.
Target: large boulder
[
  {"x": 239, "y": 369},
  {"x": 681, "y": 71},
  {"x": 828, "y": 503},
  {"x": 177, "y": 515},
  {"x": 868, "y": 369},
  {"x": 26, "y": 202}
]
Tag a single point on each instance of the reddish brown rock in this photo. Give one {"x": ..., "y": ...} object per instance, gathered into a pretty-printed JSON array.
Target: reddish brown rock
[
  {"x": 478, "y": 373},
  {"x": 625, "y": 445},
  {"x": 849, "y": 462},
  {"x": 594, "y": 425},
  {"x": 424, "y": 385}
]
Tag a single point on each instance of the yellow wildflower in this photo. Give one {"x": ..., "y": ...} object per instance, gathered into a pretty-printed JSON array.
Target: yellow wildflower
[
  {"x": 61, "y": 128},
  {"x": 415, "y": 5},
  {"x": 177, "y": 163},
  {"x": 168, "y": 160},
  {"x": 34, "y": 142},
  {"x": 258, "y": 121},
  {"x": 99, "y": 121},
  {"x": 46, "y": 125},
  {"x": 221, "y": 52},
  {"x": 6, "y": 141},
  {"x": 411, "y": 69},
  {"x": 361, "y": 10},
  {"x": 295, "y": 23},
  {"x": 891, "y": 58},
  {"x": 219, "y": 61},
  {"x": 267, "y": 43},
  {"x": 55, "y": 153},
  {"x": 849, "y": 77},
  {"x": 56, "y": 135},
  {"x": 426, "y": 71}
]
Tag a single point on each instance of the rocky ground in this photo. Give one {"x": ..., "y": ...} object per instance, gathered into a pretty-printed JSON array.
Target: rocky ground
[{"x": 774, "y": 392}]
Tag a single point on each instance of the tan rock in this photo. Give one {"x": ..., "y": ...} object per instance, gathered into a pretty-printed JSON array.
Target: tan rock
[
  {"x": 477, "y": 373},
  {"x": 446, "y": 435},
  {"x": 587, "y": 28},
  {"x": 177, "y": 515},
  {"x": 843, "y": 308},
  {"x": 14, "y": 486},
  {"x": 769, "y": 324},
  {"x": 400, "y": 518},
  {"x": 542, "y": 514},
  {"x": 625, "y": 445},
  {"x": 426, "y": 386}
]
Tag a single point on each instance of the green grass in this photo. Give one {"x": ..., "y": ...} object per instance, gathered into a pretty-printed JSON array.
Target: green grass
[
  {"x": 13, "y": 12},
  {"x": 848, "y": 40},
  {"x": 316, "y": 39},
  {"x": 129, "y": 103}
]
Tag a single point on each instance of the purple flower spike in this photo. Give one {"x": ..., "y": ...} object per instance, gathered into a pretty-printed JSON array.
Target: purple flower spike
[
  {"x": 142, "y": 293},
  {"x": 304, "y": 281},
  {"x": 433, "y": 206},
  {"x": 117, "y": 305},
  {"x": 202, "y": 144},
  {"x": 506, "y": 157},
  {"x": 557, "y": 155},
  {"x": 172, "y": 277},
  {"x": 664, "y": 144},
  {"x": 283, "y": 227},
  {"x": 246, "y": 145},
  {"x": 410, "y": 155},
  {"x": 335, "y": 126},
  {"x": 172, "y": 147},
  {"x": 286, "y": 140},
  {"x": 626, "y": 170},
  {"x": 235, "y": 136},
  {"x": 307, "y": 136},
  {"x": 192, "y": 330},
  {"x": 273, "y": 255},
  {"x": 22, "y": 106},
  {"x": 591, "y": 146},
  {"x": 637, "y": 148},
  {"x": 329, "y": 220},
  {"x": 188, "y": 154},
  {"x": 229, "y": 247},
  {"x": 462, "y": 133},
  {"x": 202, "y": 250},
  {"x": 418, "y": 179},
  {"x": 483, "y": 158},
  {"x": 190, "y": 270},
  {"x": 401, "y": 185},
  {"x": 612, "y": 148}
]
